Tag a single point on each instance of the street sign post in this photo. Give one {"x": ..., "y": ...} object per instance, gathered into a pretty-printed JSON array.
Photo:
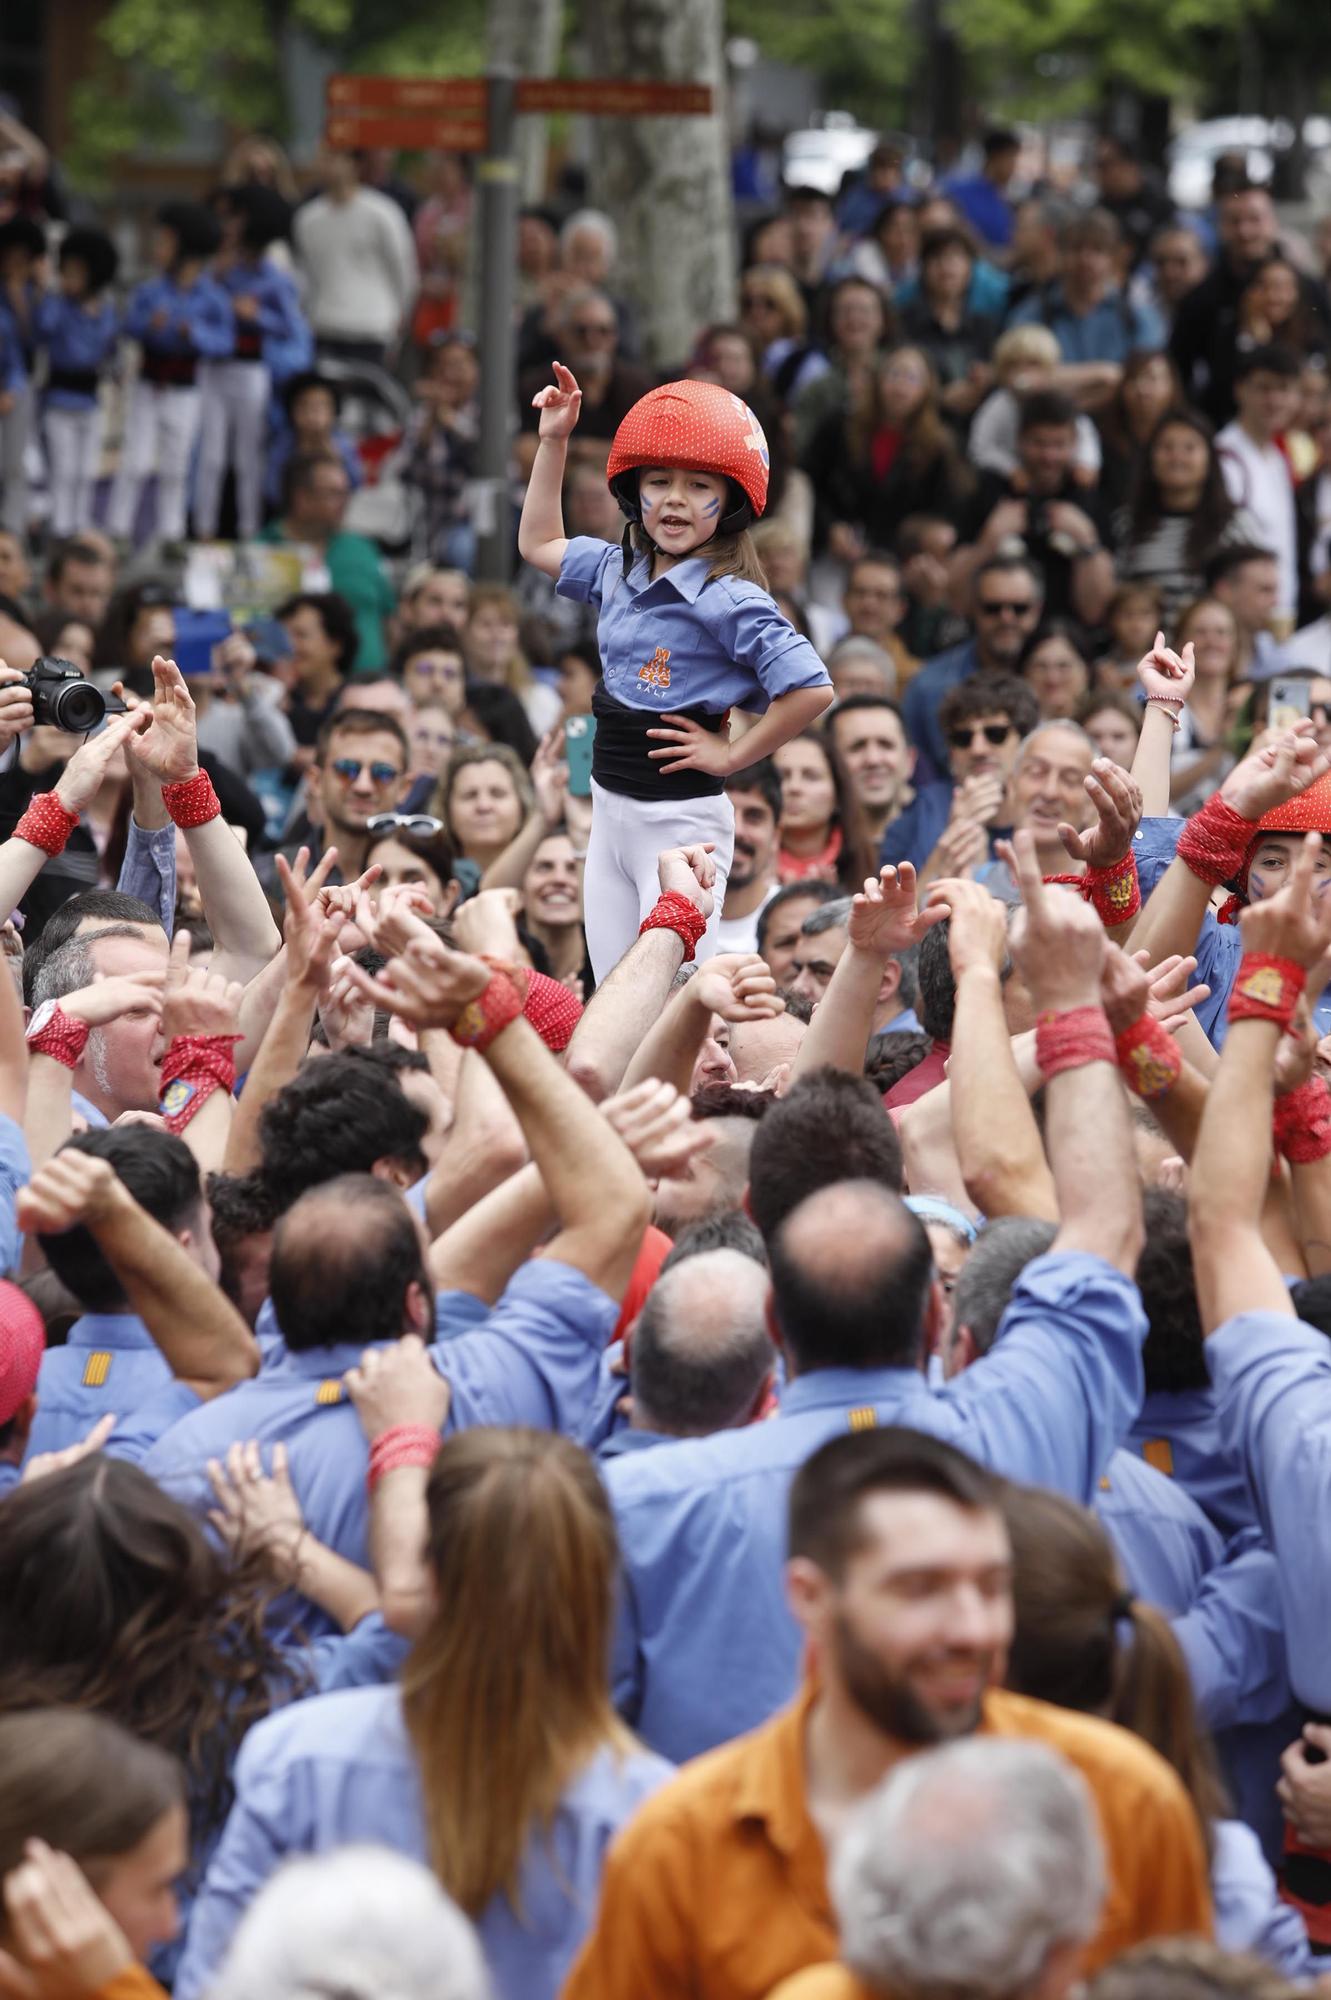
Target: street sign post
[{"x": 476, "y": 115}]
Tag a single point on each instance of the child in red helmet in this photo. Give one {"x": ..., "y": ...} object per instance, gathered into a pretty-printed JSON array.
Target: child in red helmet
[{"x": 686, "y": 630}]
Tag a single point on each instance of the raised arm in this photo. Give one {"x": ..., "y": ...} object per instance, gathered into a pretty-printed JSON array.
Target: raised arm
[
  {"x": 1213, "y": 845},
  {"x": 1283, "y": 937},
  {"x": 392, "y": 1388},
  {"x": 1058, "y": 945},
  {"x": 233, "y": 900},
  {"x": 883, "y": 919},
  {"x": 997, "y": 1139},
  {"x": 200, "y": 1026},
  {"x": 597, "y": 1191},
  {"x": 42, "y": 831},
  {"x": 627, "y": 1004},
  {"x": 311, "y": 941},
  {"x": 734, "y": 986},
  {"x": 541, "y": 537},
  {"x": 204, "y": 1340}
]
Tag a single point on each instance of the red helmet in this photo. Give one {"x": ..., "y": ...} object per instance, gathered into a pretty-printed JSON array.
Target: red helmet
[{"x": 700, "y": 426}]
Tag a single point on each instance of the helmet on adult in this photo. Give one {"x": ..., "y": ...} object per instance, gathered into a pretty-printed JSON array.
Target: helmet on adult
[
  {"x": 700, "y": 427},
  {"x": 1309, "y": 812}
]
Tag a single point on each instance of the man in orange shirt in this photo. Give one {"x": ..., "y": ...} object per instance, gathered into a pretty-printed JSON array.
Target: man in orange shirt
[{"x": 900, "y": 1575}]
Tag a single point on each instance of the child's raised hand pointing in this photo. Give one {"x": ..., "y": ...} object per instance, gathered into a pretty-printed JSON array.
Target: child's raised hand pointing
[{"x": 559, "y": 404}]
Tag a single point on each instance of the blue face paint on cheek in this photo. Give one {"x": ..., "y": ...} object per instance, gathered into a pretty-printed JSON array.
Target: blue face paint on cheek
[
  {"x": 1258, "y": 886},
  {"x": 712, "y": 507},
  {"x": 648, "y": 503}
]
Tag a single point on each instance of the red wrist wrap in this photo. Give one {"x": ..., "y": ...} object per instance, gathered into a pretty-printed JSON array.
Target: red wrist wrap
[
  {"x": 404, "y": 1444},
  {"x": 1148, "y": 1057},
  {"x": 1301, "y": 1125},
  {"x": 1114, "y": 893},
  {"x": 1071, "y": 1040},
  {"x": 63, "y": 1039},
  {"x": 493, "y": 1009},
  {"x": 46, "y": 824},
  {"x": 673, "y": 912},
  {"x": 1266, "y": 989},
  {"x": 193, "y": 1067},
  {"x": 193, "y": 802},
  {"x": 1215, "y": 842}
]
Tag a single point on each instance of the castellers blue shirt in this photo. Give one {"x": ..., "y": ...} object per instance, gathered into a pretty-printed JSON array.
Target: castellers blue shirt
[
  {"x": 684, "y": 641},
  {"x": 77, "y": 342}
]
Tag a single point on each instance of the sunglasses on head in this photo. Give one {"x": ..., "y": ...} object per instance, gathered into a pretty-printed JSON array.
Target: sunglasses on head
[
  {"x": 962, "y": 737},
  {"x": 423, "y": 825},
  {"x": 350, "y": 768},
  {"x": 1017, "y": 607}
]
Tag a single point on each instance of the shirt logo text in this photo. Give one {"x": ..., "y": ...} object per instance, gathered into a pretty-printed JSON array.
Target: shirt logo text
[{"x": 656, "y": 672}]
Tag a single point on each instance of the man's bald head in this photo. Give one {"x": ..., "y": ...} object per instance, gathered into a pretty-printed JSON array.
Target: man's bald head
[
  {"x": 702, "y": 1354},
  {"x": 346, "y": 1257},
  {"x": 851, "y": 1272}
]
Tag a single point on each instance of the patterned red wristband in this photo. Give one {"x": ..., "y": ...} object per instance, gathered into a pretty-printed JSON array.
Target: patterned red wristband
[
  {"x": 1266, "y": 989},
  {"x": 1148, "y": 1057},
  {"x": 193, "y": 802},
  {"x": 1114, "y": 893},
  {"x": 46, "y": 824},
  {"x": 500, "y": 1003},
  {"x": 1069, "y": 1041},
  {"x": 193, "y": 1067},
  {"x": 1301, "y": 1124},
  {"x": 1215, "y": 842},
  {"x": 52, "y": 1032},
  {"x": 403, "y": 1445},
  {"x": 673, "y": 912}
]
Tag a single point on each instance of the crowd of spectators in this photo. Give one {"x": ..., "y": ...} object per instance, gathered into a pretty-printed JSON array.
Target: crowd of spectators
[{"x": 794, "y": 1471}]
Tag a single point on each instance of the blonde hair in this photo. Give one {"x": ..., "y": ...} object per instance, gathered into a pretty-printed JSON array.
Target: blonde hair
[
  {"x": 1024, "y": 346},
  {"x": 506, "y": 1695},
  {"x": 789, "y": 298},
  {"x": 517, "y": 673},
  {"x": 479, "y": 753}
]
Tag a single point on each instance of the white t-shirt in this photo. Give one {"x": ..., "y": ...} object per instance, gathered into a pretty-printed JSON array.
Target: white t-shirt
[
  {"x": 741, "y": 933},
  {"x": 1259, "y": 478},
  {"x": 359, "y": 264}
]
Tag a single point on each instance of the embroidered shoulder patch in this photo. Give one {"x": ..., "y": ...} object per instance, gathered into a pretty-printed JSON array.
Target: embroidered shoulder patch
[
  {"x": 96, "y": 1369},
  {"x": 330, "y": 1391}
]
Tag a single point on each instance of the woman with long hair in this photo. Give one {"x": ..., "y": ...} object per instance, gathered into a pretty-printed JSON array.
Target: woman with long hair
[
  {"x": 88, "y": 1811},
  {"x": 492, "y": 647},
  {"x": 499, "y": 1758},
  {"x": 1149, "y": 387},
  {"x": 1084, "y": 1641},
  {"x": 821, "y": 835},
  {"x": 1054, "y": 666},
  {"x": 891, "y": 454},
  {"x": 114, "y": 1601},
  {"x": 1180, "y": 514},
  {"x": 413, "y": 848}
]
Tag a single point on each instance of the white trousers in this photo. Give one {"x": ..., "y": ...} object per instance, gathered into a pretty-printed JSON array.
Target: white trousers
[
  {"x": 620, "y": 884},
  {"x": 73, "y": 453},
  {"x": 161, "y": 427},
  {"x": 233, "y": 431},
  {"x": 15, "y": 430}
]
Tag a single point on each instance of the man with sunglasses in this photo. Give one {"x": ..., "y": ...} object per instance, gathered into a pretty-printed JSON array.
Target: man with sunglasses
[
  {"x": 1007, "y": 597},
  {"x": 588, "y": 335},
  {"x": 950, "y": 825},
  {"x": 361, "y": 770}
]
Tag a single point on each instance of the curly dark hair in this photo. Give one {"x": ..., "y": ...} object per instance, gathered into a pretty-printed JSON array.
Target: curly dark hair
[{"x": 113, "y": 1600}]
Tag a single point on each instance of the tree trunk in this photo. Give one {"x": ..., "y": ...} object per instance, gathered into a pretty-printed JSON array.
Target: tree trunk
[
  {"x": 523, "y": 36},
  {"x": 666, "y": 181}
]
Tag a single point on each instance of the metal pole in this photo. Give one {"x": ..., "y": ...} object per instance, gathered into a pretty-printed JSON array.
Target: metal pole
[{"x": 498, "y": 237}]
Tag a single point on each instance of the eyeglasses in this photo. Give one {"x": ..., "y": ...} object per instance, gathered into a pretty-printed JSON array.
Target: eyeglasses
[
  {"x": 600, "y": 329},
  {"x": 962, "y": 737},
  {"x": 758, "y": 299},
  {"x": 350, "y": 768},
  {"x": 423, "y": 825},
  {"x": 1005, "y": 607}
]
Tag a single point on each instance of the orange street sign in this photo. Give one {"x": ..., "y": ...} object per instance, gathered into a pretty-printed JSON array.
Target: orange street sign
[
  {"x": 405, "y": 93},
  {"x": 352, "y": 132},
  {"x": 607, "y": 97}
]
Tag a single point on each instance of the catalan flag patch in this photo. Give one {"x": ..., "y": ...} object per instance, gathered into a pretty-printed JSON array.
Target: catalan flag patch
[
  {"x": 96, "y": 1369},
  {"x": 330, "y": 1391},
  {"x": 863, "y": 1419}
]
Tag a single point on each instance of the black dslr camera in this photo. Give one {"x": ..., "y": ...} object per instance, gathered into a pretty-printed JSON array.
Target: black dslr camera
[{"x": 63, "y": 699}]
